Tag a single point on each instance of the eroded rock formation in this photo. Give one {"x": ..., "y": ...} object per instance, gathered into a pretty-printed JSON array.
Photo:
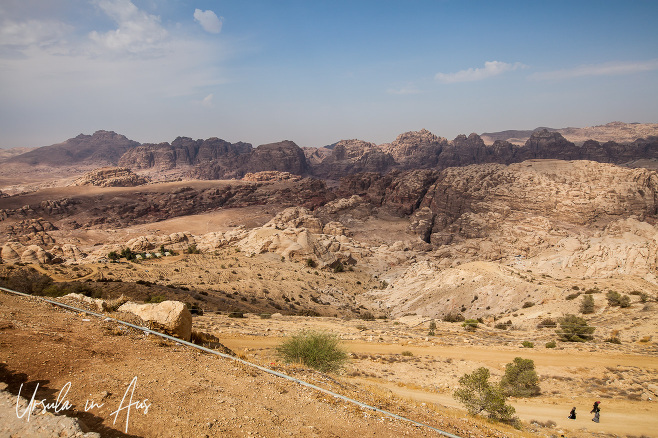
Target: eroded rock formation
[{"x": 110, "y": 177}]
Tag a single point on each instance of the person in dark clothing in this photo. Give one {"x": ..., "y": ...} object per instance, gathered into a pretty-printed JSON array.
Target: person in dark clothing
[
  {"x": 572, "y": 414},
  {"x": 596, "y": 410}
]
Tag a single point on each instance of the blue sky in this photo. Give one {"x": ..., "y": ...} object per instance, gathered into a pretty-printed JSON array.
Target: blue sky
[{"x": 316, "y": 72}]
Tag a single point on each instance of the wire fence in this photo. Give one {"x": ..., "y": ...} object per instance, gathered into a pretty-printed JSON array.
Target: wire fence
[{"x": 242, "y": 361}]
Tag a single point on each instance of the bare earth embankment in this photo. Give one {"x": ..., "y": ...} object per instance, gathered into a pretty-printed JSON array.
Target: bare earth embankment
[{"x": 187, "y": 393}]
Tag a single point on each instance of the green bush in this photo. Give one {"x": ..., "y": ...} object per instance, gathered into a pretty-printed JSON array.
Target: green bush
[
  {"x": 154, "y": 299},
  {"x": 317, "y": 350},
  {"x": 625, "y": 301},
  {"x": 432, "y": 332},
  {"x": 127, "y": 254},
  {"x": 192, "y": 249},
  {"x": 520, "y": 379},
  {"x": 587, "y": 305},
  {"x": 478, "y": 395},
  {"x": 546, "y": 323},
  {"x": 528, "y": 344},
  {"x": 574, "y": 329},
  {"x": 551, "y": 344},
  {"x": 528, "y": 304},
  {"x": 367, "y": 316},
  {"x": 470, "y": 324},
  {"x": 613, "y": 298},
  {"x": 573, "y": 296}
]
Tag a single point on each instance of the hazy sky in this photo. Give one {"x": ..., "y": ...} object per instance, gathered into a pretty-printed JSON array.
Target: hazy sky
[{"x": 316, "y": 72}]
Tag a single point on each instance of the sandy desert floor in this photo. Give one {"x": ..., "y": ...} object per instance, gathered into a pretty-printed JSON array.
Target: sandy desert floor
[
  {"x": 392, "y": 363},
  {"x": 400, "y": 357}
]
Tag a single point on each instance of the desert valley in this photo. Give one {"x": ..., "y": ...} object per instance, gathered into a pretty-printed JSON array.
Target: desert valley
[{"x": 427, "y": 258}]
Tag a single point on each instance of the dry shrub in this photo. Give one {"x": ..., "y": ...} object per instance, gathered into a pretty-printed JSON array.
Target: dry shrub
[
  {"x": 209, "y": 341},
  {"x": 548, "y": 423},
  {"x": 114, "y": 304}
]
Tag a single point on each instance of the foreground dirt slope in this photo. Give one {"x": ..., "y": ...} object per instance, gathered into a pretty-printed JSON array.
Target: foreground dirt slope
[{"x": 189, "y": 393}]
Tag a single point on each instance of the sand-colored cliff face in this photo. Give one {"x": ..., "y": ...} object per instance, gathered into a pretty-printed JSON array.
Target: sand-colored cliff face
[
  {"x": 475, "y": 200},
  {"x": 614, "y": 131}
]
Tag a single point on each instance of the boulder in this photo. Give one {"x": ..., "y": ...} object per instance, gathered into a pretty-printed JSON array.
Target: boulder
[
  {"x": 99, "y": 304},
  {"x": 35, "y": 254},
  {"x": 171, "y": 317},
  {"x": 295, "y": 217},
  {"x": 68, "y": 252},
  {"x": 335, "y": 228},
  {"x": 11, "y": 252}
]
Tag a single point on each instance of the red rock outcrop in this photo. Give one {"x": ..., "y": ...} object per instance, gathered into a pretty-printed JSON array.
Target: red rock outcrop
[
  {"x": 284, "y": 156},
  {"x": 270, "y": 175},
  {"x": 110, "y": 177},
  {"x": 184, "y": 151}
]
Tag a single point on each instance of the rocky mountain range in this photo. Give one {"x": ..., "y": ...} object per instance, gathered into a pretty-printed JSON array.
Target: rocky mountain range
[
  {"x": 215, "y": 158},
  {"x": 614, "y": 131}
]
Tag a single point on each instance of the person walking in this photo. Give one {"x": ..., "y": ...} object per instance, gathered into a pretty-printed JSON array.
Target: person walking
[
  {"x": 596, "y": 410},
  {"x": 572, "y": 414}
]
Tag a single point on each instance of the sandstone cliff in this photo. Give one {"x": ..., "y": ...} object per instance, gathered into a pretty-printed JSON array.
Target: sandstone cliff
[
  {"x": 474, "y": 200},
  {"x": 184, "y": 151},
  {"x": 422, "y": 149}
]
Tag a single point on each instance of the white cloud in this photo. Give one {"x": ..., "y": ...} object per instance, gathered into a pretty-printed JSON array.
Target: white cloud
[
  {"x": 122, "y": 68},
  {"x": 208, "y": 20},
  {"x": 138, "y": 32},
  {"x": 605, "y": 69},
  {"x": 32, "y": 32},
  {"x": 491, "y": 68},
  {"x": 207, "y": 101}
]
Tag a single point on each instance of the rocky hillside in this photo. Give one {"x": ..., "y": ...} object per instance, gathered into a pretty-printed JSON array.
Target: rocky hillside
[
  {"x": 569, "y": 216},
  {"x": 103, "y": 148}
]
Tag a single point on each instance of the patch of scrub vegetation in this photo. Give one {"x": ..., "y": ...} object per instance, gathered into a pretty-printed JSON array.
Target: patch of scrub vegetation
[{"x": 317, "y": 350}]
